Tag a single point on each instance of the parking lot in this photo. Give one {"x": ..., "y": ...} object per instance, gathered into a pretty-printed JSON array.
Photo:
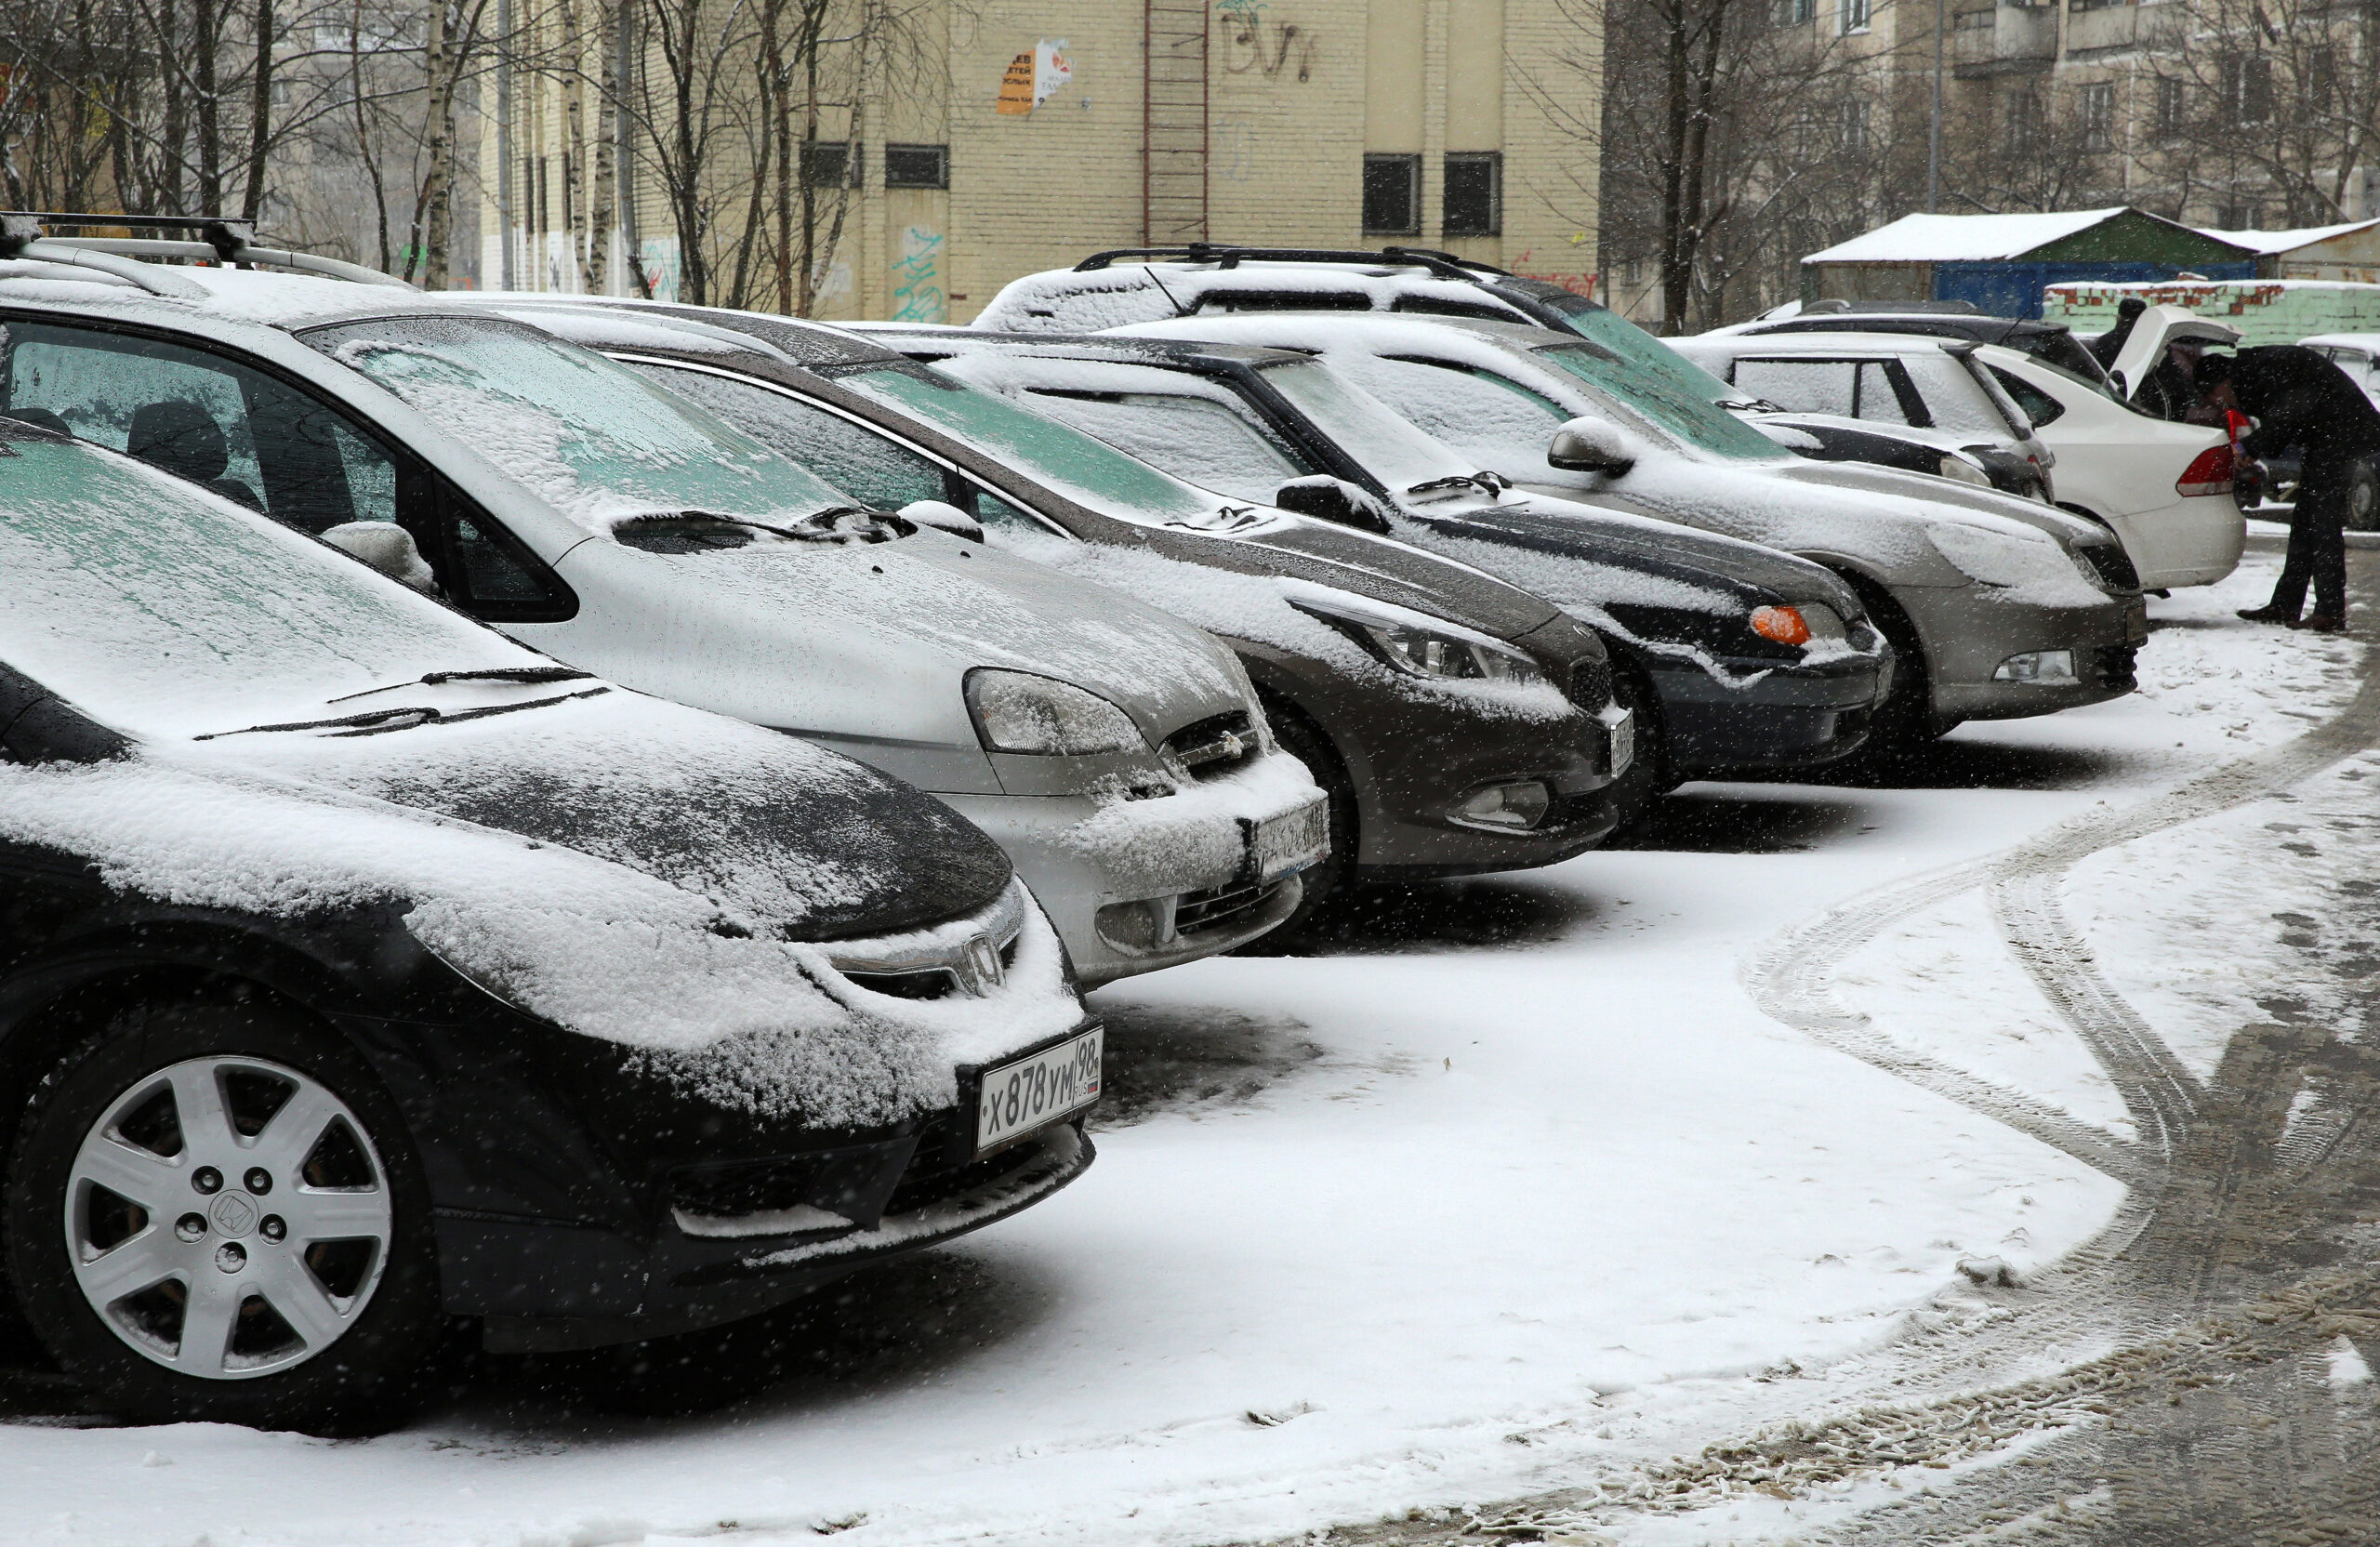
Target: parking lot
[{"x": 1509, "y": 1184}]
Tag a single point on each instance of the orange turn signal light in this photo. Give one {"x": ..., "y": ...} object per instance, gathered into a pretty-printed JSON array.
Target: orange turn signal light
[{"x": 1785, "y": 625}]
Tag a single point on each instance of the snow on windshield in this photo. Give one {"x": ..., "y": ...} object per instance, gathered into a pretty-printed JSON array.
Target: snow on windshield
[
  {"x": 1085, "y": 470},
  {"x": 1670, "y": 392},
  {"x": 165, "y": 610},
  {"x": 591, "y": 437},
  {"x": 1364, "y": 428}
]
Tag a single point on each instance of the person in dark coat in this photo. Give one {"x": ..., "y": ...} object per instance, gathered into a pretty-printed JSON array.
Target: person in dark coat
[{"x": 2299, "y": 399}]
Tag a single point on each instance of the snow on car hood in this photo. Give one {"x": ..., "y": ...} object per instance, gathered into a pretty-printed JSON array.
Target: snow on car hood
[{"x": 796, "y": 636}]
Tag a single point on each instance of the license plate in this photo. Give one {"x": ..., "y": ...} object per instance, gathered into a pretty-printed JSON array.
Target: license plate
[
  {"x": 1291, "y": 841},
  {"x": 1038, "y": 1089},
  {"x": 1623, "y": 745},
  {"x": 2136, "y": 624},
  {"x": 1885, "y": 669}
]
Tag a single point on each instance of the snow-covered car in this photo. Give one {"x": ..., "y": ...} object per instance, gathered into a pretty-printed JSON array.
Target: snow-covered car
[
  {"x": 1893, "y": 381},
  {"x": 360, "y": 970},
  {"x": 2052, "y": 342},
  {"x": 1996, "y": 607},
  {"x": 620, "y": 527},
  {"x": 2355, "y": 353},
  {"x": 2358, "y": 355},
  {"x": 1729, "y": 656},
  {"x": 1938, "y": 453},
  {"x": 1460, "y": 725}
]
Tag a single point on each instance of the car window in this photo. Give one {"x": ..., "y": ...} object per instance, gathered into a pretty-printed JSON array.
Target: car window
[
  {"x": 1876, "y": 396},
  {"x": 1367, "y": 429},
  {"x": 1957, "y": 401},
  {"x": 1654, "y": 381},
  {"x": 1804, "y": 385},
  {"x": 163, "y": 611},
  {"x": 247, "y": 435},
  {"x": 1196, "y": 438},
  {"x": 589, "y": 435},
  {"x": 855, "y": 460},
  {"x": 1085, "y": 469},
  {"x": 1491, "y": 417},
  {"x": 2038, "y": 405}
]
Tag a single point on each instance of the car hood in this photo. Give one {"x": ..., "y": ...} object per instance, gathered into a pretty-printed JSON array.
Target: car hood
[
  {"x": 875, "y": 639},
  {"x": 1378, "y": 567},
  {"x": 784, "y": 837},
  {"x": 1868, "y": 477}
]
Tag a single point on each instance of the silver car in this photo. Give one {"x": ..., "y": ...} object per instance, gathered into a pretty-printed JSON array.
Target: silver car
[{"x": 616, "y": 526}]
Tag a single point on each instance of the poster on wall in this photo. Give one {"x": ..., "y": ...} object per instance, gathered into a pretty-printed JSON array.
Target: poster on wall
[{"x": 1033, "y": 75}]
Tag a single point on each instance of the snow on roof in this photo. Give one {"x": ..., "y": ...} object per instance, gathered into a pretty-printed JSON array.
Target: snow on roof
[
  {"x": 2271, "y": 241},
  {"x": 1960, "y": 238}
]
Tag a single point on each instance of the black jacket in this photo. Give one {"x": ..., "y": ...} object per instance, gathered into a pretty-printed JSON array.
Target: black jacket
[{"x": 2299, "y": 399}]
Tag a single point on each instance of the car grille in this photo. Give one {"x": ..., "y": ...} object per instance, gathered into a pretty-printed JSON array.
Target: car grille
[
  {"x": 1591, "y": 685},
  {"x": 2114, "y": 665},
  {"x": 1213, "y": 746},
  {"x": 925, "y": 983},
  {"x": 2108, "y": 566},
  {"x": 1197, "y": 912},
  {"x": 941, "y": 1168}
]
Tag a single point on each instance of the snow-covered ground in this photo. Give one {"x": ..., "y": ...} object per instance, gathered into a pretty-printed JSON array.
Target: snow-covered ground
[{"x": 1519, "y": 1181}]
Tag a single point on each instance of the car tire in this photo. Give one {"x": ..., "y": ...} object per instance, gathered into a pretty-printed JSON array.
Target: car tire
[
  {"x": 1649, "y": 776},
  {"x": 1304, "y": 740},
  {"x": 278, "y": 1195},
  {"x": 2363, "y": 498}
]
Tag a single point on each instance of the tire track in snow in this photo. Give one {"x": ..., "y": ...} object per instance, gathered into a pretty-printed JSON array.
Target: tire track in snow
[{"x": 1792, "y": 977}]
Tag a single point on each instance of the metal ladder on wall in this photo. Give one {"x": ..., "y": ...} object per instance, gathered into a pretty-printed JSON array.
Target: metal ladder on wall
[{"x": 1173, "y": 123}]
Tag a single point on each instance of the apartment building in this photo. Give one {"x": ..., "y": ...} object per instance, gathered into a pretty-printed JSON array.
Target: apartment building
[{"x": 959, "y": 145}]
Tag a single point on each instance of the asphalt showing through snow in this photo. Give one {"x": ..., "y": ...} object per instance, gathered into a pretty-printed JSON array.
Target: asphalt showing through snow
[{"x": 2239, "y": 1289}]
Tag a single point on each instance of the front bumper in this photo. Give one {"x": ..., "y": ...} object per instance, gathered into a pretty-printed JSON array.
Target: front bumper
[
  {"x": 1968, "y": 631},
  {"x": 1125, "y": 908},
  {"x": 1791, "y": 716}
]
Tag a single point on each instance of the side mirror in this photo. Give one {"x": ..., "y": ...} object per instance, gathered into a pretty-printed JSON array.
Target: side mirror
[
  {"x": 1590, "y": 445},
  {"x": 943, "y": 518},
  {"x": 1332, "y": 499},
  {"x": 387, "y": 547}
]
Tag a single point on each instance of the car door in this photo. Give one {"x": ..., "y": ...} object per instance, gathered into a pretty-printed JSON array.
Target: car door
[{"x": 272, "y": 444}]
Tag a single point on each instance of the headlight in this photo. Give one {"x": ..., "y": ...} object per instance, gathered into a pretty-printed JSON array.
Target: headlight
[
  {"x": 1998, "y": 557},
  {"x": 1964, "y": 472},
  {"x": 1798, "y": 624},
  {"x": 1447, "y": 655},
  {"x": 1016, "y": 711}
]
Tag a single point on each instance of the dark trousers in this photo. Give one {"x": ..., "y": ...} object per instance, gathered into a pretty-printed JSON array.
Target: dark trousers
[{"x": 2318, "y": 540}]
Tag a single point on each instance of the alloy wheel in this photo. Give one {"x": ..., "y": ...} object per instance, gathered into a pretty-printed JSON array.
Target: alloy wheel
[{"x": 228, "y": 1217}]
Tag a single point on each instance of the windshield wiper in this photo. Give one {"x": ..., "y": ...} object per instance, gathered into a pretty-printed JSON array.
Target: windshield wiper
[
  {"x": 491, "y": 674},
  {"x": 1461, "y": 480},
  {"x": 374, "y": 722}
]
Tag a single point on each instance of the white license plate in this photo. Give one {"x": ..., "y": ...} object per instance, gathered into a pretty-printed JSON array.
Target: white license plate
[
  {"x": 1291, "y": 841},
  {"x": 1036, "y": 1090},
  {"x": 1623, "y": 745}
]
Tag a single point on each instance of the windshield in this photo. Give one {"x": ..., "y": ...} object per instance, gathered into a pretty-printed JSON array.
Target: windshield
[
  {"x": 1087, "y": 470},
  {"x": 1665, "y": 387},
  {"x": 589, "y": 436},
  {"x": 1392, "y": 450},
  {"x": 165, "y": 610}
]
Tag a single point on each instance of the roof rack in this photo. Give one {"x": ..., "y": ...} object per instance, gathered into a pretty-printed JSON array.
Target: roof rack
[
  {"x": 223, "y": 238},
  {"x": 1231, "y": 255}
]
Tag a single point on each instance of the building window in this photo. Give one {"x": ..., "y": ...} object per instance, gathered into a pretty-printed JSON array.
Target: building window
[
  {"x": 1853, "y": 14},
  {"x": 2247, "y": 87},
  {"x": 1854, "y": 124},
  {"x": 916, "y": 166},
  {"x": 2097, "y": 101},
  {"x": 1392, "y": 195},
  {"x": 2024, "y": 123},
  {"x": 828, "y": 164},
  {"x": 1474, "y": 193},
  {"x": 2322, "y": 77},
  {"x": 1975, "y": 21},
  {"x": 2240, "y": 214},
  {"x": 1794, "y": 13},
  {"x": 2171, "y": 106}
]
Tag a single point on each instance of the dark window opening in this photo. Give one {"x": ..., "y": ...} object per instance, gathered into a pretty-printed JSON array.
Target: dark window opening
[
  {"x": 916, "y": 166},
  {"x": 1392, "y": 195},
  {"x": 828, "y": 164},
  {"x": 1474, "y": 193}
]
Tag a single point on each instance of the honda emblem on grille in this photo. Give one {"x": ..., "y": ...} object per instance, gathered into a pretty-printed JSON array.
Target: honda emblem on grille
[{"x": 979, "y": 966}]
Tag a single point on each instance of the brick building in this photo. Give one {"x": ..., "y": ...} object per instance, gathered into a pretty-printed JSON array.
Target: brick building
[{"x": 990, "y": 140}]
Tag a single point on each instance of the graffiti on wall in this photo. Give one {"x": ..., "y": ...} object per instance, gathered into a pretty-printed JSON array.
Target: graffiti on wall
[
  {"x": 659, "y": 256},
  {"x": 1578, "y": 284},
  {"x": 917, "y": 294},
  {"x": 1252, "y": 44}
]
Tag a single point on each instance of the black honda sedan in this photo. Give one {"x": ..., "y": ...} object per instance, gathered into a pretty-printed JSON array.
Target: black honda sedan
[{"x": 361, "y": 970}]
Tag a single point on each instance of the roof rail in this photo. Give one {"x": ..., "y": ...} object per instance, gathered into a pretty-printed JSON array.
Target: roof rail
[
  {"x": 1230, "y": 255},
  {"x": 223, "y": 240}
]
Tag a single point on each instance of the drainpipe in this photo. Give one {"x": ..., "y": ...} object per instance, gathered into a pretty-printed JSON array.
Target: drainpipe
[
  {"x": 504, "y": 136},
  {"x": 1934, "y": 130}
]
